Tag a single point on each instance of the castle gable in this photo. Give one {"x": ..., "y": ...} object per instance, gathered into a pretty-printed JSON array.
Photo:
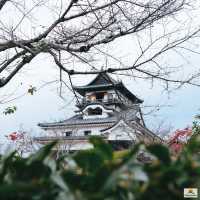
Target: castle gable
[{"x": 102, "y": 79}]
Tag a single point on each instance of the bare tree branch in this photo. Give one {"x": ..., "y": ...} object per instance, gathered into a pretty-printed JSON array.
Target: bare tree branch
[
  {"x": 83, "y": 28},
  {"x": 2, "y": 3}
]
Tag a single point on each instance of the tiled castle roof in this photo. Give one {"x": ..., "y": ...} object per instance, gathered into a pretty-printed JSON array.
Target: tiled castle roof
[
  {"x": 104, "y": 81},
  {"x": 129, "y": 115}
]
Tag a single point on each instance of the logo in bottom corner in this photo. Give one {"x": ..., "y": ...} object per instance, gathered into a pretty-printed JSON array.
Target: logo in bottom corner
[{"x": 190, "y": 193}]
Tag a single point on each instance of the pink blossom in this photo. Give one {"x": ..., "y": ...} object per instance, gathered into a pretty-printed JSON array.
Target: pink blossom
[{"x": 179, "y": 138}]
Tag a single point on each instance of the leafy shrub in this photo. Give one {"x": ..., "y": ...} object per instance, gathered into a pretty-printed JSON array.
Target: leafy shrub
[{"x": 100, "y": 174}]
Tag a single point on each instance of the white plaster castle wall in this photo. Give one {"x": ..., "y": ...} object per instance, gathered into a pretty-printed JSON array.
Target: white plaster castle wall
[
  {"x": 75, "y": 131},
  {"x": 104, "y": 112},
  {"x": 122, "y": 134}
]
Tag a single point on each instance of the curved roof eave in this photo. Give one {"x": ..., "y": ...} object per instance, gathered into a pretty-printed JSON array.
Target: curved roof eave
[{"x": 96, "y": 103}]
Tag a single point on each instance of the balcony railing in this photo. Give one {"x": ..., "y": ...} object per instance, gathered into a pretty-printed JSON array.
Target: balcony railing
[
  {"x": 85, "y": 101},
  {"x": 55, "y": 138}
]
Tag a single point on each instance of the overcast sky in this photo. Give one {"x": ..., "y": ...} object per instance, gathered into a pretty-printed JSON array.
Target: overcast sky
[{"x": 178, "y": 107}]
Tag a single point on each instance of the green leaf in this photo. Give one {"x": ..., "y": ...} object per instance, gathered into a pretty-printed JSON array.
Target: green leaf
[
  {"x": 89, "y": 161},
  {"x": 161, "y": 152},
  {"x": 92, "y": 160},
  {"x": 31, "y": 90},
  {"x": 6, "y": 162},
  {"x": 101, "y": 146},
  {"x": 9, "y": 110},
  {"x": 43, "y": 153}
]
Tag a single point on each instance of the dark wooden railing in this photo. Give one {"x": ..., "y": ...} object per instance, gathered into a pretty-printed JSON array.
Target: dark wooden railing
[
  {"x": 85, "y": 101},
  {"x": 54, "y": 138}
]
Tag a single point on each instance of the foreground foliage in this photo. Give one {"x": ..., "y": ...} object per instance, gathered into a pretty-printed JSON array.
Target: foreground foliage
[{"x": 100, "y": 174}]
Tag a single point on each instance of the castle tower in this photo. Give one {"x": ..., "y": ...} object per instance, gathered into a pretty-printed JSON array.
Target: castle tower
[{"x": 106, "y": 108}]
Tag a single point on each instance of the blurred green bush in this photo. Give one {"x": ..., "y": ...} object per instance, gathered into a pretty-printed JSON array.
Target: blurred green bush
[{"x": 101, "y": 174}]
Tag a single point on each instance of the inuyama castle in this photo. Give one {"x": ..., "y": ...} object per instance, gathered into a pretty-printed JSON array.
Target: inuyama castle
[{"x": 106, "y": 108}]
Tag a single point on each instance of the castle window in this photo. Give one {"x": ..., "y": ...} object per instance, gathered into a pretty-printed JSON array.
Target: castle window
[
  {"x": 110, "y": 96},
  {"x": 88, "y": 132},
  {"x": 68, "y": 133},
  {"x": 99, "y": 96},
  {"x": 96, "y": 111},
  {"x": 92, "y": 97}
]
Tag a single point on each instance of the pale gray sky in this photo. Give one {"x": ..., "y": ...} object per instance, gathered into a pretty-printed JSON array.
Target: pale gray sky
[{"x": 46, "y": 105}]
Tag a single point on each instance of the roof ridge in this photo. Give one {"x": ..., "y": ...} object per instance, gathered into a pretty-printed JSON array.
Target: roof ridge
[{"x": 105, "y": 76}]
